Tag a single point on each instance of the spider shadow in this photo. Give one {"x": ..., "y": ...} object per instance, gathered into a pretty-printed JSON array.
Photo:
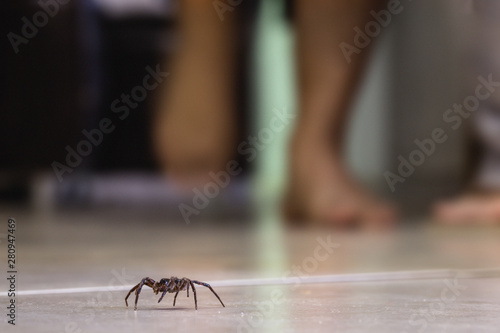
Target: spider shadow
[{"x": 170, "y": 309}]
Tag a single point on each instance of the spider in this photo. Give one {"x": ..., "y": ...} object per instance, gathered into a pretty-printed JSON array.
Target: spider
[{"x": 172, "y": 285}]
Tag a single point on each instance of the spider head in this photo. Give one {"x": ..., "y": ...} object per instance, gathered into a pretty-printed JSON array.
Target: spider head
[{"x": 160, "y": 286}]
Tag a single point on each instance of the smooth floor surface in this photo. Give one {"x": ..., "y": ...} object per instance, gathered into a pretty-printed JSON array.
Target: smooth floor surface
[{"x": 74, "y": 270}]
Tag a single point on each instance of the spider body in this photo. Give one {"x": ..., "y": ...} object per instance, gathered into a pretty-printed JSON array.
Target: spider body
[{"x": 172, "y": 285}]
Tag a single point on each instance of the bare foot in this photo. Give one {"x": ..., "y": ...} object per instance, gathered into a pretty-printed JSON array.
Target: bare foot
[
  {"x": 320, "y": 189},
  {"x": 473, "y": 208},
  {"x": 322, "y": 192}
]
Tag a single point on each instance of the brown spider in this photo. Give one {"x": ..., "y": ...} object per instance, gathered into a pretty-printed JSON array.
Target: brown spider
[{"x": 172, "y": 285}]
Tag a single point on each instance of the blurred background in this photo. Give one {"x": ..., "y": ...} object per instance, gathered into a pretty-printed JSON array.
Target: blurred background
[
  {"x": 64, "y": 79},
  {"x": 99, "y": 205}
]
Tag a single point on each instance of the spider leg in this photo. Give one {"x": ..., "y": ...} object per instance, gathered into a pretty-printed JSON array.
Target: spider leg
[
  {"x": 162, "y": 296},
  {"x": 194, "y": 292},
  {"x": 209, "y": 287},
  {"x": 186, "y": 283},
  {"x": 175, "y": 297},
  {"x": 131, "y": 290},
  {"x": 146, "y": 281}
]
